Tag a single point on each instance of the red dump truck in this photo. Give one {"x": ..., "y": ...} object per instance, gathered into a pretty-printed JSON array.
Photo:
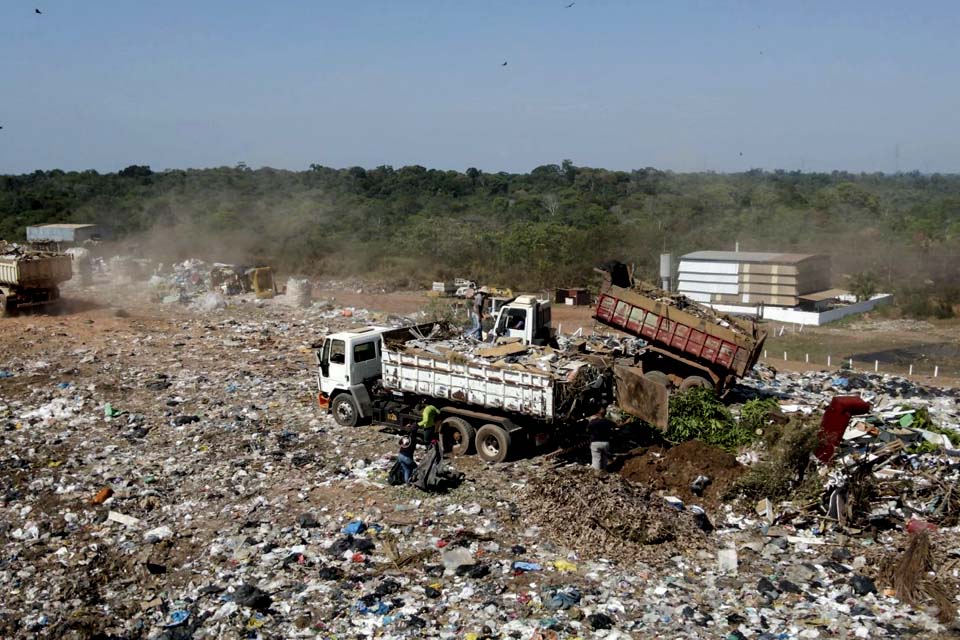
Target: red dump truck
[{"x": 688, "y": 345}]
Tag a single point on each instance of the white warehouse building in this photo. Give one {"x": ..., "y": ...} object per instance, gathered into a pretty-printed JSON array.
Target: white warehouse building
[{"x": 787, "y": 287}]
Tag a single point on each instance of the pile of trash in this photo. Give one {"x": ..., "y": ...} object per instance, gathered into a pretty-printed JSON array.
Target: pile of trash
[
  {"x": 887, "y": 455},
  {"x": 171, "y": 477},
  {"x": 193, "y": 279},
  {"x": 447, "y": 342},
  {"x": 606, "y": 514},
  {"x": 14, "y": 251}
]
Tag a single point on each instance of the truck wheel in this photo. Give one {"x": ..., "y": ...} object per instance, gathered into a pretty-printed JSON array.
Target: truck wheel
[
  {"x": 692, "y": 382},
  {"x": 8, "y": 307},
  {"x": 657, "y": 376},
  {"x": 457, "y": 435},
  {"x": 493, "y": 443},
  {"x": 345, "y": 411}
]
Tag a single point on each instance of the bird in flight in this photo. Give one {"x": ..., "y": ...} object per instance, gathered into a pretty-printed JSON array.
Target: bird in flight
[
  {"x": 504, "y": 63},
  {"x": 571, "y": 4},
  {"x": 37, "y": 11}
]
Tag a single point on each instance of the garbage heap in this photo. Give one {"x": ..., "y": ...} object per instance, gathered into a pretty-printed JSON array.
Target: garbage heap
[{"x": 170, "y": 477}]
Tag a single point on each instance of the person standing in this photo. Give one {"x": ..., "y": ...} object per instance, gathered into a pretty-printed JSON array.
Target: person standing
[
  {"x": 601, "y": 430},
  {"x": 427, "y": 423},
  {"x": 476, "y": 316},
  {"x": 408, "y": 445}
]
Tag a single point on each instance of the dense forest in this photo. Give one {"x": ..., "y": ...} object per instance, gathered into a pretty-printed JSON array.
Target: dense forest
[{"x": 898, "y": 233}]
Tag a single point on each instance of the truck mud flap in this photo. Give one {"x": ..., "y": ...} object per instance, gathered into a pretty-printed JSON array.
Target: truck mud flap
[
  {"x": 642, "y": 398},
  {"x": 362, "y": 396}
]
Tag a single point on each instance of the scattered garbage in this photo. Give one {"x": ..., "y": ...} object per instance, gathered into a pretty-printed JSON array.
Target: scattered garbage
[{"x": 183, "y": 484}]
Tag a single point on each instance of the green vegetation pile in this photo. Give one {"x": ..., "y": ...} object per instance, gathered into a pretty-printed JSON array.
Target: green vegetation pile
[
  {"x": 756, "y": 414},
  {"x": 698, "y": 414}
]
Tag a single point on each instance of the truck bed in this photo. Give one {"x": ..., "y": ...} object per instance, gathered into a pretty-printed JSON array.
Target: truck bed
[
  {"x": 480, "y": 384},
  {"x": 733, "y": 348},
  {"x": 35, "y": 270}
]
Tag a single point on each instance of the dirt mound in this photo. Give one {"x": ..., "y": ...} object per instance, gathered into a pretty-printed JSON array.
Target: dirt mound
[{"x": 673, "y": 469}]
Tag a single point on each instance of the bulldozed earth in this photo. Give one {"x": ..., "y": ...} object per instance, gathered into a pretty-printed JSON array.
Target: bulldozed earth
[{"x": 165, "y": 473}]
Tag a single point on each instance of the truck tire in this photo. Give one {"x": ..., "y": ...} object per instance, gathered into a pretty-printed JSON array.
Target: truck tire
[
  {"x": 657, "y": 376},
  {"x": 345, "y": 411},
  {"x": 8, "y": 307},
  {"x": 691, "y": 382},
  {"x": 493, "y": 443},
  {"x": 457, "y": 436}
]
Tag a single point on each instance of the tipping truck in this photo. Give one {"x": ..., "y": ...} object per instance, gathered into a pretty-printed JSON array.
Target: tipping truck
[
  {"x": 374, "y": 375},
  {"x": 30, "y": 278},
  {"x": 686, "y": 344},
  {"x": 686, "y": 347}
]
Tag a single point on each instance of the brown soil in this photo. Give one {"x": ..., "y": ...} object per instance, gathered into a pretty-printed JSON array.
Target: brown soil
[{"x": 672, "y": 470}]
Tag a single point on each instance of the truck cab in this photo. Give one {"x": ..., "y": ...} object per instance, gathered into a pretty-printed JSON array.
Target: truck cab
[
  {"x": 527, "y": 318},
  {"x": 347, "y": 363}
]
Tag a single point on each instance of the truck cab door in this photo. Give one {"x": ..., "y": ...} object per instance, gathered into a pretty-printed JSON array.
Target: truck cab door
[
  {"x": 334, "y": 373},
  {"x": 366, "y": 361}
]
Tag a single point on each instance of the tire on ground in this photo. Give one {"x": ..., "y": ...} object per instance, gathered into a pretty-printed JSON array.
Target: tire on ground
[
  {"x": 457, "y": 436},
  {"x": 493, "y": 443},
  {"x": 691, "y": 382},
  {"x": 345, "y": 411}
]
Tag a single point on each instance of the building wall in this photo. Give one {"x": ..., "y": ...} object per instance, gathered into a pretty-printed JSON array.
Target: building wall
[{"x": 811, "y": 318}]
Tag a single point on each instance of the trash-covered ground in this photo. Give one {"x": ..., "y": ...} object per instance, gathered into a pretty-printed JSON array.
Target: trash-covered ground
[{"x": 166, "y": 474}]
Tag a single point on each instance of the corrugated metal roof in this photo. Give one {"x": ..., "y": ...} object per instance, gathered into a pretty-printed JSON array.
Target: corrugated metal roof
[
  {"x": 64, "y": 225},
  {"x": 819, "y": 296},
  {"x": 749, "y": 256}
]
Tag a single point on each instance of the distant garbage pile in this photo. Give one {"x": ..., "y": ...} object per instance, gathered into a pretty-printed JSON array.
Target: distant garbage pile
[{"x": 206, "y": 286}]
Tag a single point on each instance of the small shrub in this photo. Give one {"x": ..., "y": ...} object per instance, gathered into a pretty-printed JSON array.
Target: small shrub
[
  {"x": 755, "y": 413},
  {"x": 783, "y": 470}
]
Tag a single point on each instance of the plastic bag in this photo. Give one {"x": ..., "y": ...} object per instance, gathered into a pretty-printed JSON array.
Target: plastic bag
[{"x": 395, "y": 475}]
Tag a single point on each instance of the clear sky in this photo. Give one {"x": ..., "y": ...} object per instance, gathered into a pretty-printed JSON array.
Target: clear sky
[{"x": 869, "y": 85}]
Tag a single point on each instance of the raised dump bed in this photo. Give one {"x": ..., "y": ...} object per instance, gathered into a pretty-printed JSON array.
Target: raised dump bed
[{"x": 724, "y": 348}]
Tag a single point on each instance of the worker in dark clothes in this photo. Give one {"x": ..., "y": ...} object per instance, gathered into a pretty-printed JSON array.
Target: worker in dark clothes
[
  {"x": 601, "y": 431},
  {"x": 408, "y": 444}
]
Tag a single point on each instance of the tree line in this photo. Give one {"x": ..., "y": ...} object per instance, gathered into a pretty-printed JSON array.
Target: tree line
[{"x": 548, "y": 227}]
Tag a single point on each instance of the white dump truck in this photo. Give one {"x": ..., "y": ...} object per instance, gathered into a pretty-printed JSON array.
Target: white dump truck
[
  {"x": 30, "y": 278},
  {"x": 489, "y": 401}
]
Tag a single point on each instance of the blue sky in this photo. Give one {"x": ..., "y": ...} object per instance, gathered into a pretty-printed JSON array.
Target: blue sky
[{"x": 686, "y": 86}]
